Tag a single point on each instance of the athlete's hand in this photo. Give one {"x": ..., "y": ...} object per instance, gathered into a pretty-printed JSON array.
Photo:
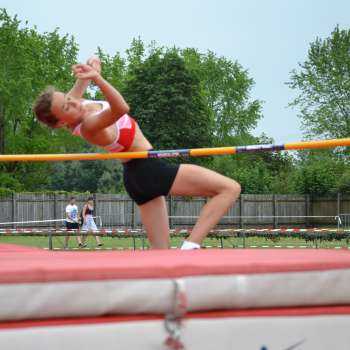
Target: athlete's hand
[
  {"x": 85, "y": 71},
  {"x": 94, "y": 62}
]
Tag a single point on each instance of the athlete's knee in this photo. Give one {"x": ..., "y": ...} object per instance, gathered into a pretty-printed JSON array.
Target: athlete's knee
[{"x": 233, "y": 188}]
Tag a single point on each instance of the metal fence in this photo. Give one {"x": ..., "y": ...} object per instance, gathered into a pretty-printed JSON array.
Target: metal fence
[
  {"x": 120, "y": 211},
  {"x": 344, "y": 220}
]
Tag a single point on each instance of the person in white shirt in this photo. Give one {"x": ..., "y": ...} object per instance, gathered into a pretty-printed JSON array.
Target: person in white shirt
[{"x": 72, "y": 221}]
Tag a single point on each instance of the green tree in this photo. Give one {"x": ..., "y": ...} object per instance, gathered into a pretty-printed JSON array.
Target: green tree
[
  {"x": 165, "y": 97},
  {"x": 324, "y": 84},
  {"x": 319, "y": 173},
  {"x": 111, "y": 180},
  {"x": 29, "y": 62},
  {"x": 343, "y": 182},
  {"x": 114, "y": 70},
  {"x": 226, "y": 87},
  {"x": 87, "y": 176}
]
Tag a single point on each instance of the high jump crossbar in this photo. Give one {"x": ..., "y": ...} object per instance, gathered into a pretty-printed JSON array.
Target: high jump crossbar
[{"x": 194, "y": 152}]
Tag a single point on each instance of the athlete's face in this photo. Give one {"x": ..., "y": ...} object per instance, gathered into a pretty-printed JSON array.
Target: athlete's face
[{"x": 68, "y": 110}]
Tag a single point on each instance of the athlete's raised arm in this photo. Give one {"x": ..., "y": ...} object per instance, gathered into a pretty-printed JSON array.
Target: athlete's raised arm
[
  {"x": 118, "y": 106},
  {"x": 81, "y": 85}
]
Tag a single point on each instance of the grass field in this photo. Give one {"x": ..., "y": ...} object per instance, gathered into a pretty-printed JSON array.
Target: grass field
[{"x": 139, "y": 243}]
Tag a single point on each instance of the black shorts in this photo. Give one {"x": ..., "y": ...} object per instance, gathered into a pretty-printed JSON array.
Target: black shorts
[
  {"x": 72, "y": 225},
  {"x": 146, "y": 179}
]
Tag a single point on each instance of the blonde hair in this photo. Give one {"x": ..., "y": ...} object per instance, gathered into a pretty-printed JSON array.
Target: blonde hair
[{"x": 42, "y": 107}]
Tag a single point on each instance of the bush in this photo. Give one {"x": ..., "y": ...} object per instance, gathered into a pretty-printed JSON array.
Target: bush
[{"x": 9, "y": 183}]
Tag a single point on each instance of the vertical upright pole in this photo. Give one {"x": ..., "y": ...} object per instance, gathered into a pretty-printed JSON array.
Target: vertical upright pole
[
  {"x": 50, "y": 241},
  {"x": 307, "y": 210},
  {"x": 274, "y": 211},
  {"x": 95, "y": 196},
  {"x": 171, "y": 212},
  {"x": 241, "y": 214},
  {"x": 133, "y": 224},
  {"x": 241, "y": 211},
  {"x": 55, "y": 209},
  {"x": 338, "y": 203},
  {"x": 14, "y": 209}
]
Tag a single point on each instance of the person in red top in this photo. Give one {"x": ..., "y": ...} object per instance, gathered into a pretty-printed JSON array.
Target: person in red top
[
  {"x": 107, "y": 124},
  {"x": 88, "y": 222}
]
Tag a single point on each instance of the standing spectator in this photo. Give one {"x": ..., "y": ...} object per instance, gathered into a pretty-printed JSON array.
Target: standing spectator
[
  {"x": 72, "y": 221},
  {"x": 89, "y": 225}
]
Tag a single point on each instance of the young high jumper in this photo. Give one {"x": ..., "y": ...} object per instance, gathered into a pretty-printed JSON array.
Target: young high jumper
[{"x": 108, "y": 125}]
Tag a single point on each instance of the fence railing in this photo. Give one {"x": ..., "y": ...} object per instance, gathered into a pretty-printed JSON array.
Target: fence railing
[
  {"x": 120, "y": 211},
  {"x": 344, "y": 220}
]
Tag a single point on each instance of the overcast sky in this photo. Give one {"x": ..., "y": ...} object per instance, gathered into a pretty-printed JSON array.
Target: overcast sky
[{"x": 267, "y": 37}]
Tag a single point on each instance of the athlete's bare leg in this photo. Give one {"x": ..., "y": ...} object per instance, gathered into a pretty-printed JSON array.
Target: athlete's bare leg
[
  {"x": 154, "y": 216},
  {"x": 193, "y": 180}
]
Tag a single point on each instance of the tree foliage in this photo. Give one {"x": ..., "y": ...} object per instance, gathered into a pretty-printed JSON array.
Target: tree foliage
[
  {"x": 226, "y": 87},
  {"x": 165, "y": 97},
  {"x": 324, "y": 84},
  {"x": 29, "y": 61},
  {"x": 319, "y": 173}
]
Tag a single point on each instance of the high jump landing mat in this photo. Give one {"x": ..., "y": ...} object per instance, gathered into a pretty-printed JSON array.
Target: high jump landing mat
[{"x": 204, "y": 299}]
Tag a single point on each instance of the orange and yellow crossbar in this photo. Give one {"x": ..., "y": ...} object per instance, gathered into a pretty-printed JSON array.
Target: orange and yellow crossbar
[{"x": 195, "y": 152}]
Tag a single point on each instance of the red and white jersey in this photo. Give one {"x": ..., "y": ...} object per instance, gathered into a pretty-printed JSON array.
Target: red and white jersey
[{"x": 125, "y": 130}]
